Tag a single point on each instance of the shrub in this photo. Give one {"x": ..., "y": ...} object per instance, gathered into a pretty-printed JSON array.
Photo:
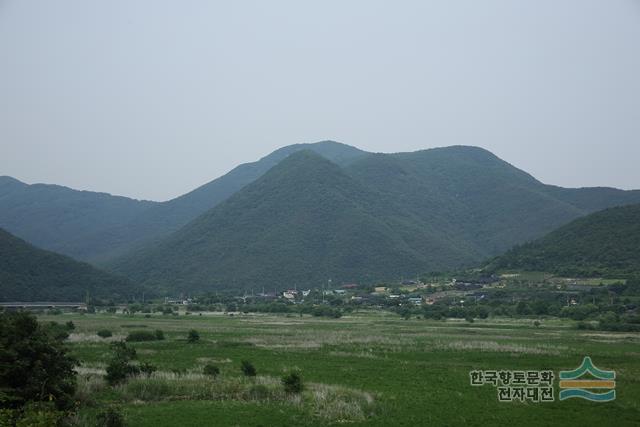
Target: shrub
[
  {"x": 147, "y": 368},
  {"x": 292, "y": 383},
  {"x": 247, "y": 368},
  {"x": 70, "y": 325},
  {"x": 104, "y": 333},
  {"x": 119, "y": 367},
  {"x": 39, "y": 415},
  {"x": 211, "y": 370},
  {"x": 193, "y": 336},
  {"x": 138, "y": 336},
  {"x": 159, "y": 334},
  {"x": 111, "y": 417},
  {"x": 34, "y": 364},
  {"x": 57, "y": 331}
]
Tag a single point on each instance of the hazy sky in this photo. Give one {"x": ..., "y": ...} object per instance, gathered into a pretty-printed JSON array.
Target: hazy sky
[{"x": 150, "y": 99}]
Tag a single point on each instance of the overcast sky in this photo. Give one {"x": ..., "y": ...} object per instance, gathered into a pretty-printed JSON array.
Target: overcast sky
[{"x": 150, "y": 99}]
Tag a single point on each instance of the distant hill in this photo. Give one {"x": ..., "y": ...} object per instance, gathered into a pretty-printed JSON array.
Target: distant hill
[
  {"x": 445, "y": 208},
  {"x": 31, "y": 274},
  {"x": 472, "y": 195},
  {"x": 76, "y": 223},
  {"x": 97, "y": 226},
  {"x": 605, "y": 243},
  {"x": 164, "y": 218},
  {"x": 305, "y": 221},
  {"x": 380, "y": 217}
]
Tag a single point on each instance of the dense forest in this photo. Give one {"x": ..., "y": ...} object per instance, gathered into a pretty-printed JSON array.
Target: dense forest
[
  {"x": 605, "y": 243},
  {"x": 31, "y": 274}
]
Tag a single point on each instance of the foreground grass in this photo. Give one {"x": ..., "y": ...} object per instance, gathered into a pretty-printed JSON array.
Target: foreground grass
[{"x": 414, "y": 372}]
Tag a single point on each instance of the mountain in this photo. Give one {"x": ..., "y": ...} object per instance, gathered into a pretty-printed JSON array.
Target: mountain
[
  {"x": 605, "y": 243},
  {"x": 474, "y": 196},
  {"x": 463, "y": 200},
  {"x": 76, "y": 223},
  {"x": 97, "y": 226},
  {"x": 380, "y": 217},
  {"x": 305, "y": 221},
  {"x": 31, "y": 274},
  {"x": 164, "y": 218}
]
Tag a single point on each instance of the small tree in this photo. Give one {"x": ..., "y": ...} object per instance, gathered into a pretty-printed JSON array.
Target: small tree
[
  {"x": 211, "y": 370},
  {"x": 193, "y": 336},
  {"x": 147, "y": 368},
  {"x": 119, "y": 367},
  {"x": 293, "y": 383},
  {"x": 104, "y": 333},
  {"x": 34, "y": 364},
  {"x": 247, "y": 368}
]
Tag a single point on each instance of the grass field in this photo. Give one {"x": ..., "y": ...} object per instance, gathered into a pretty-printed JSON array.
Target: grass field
[{"x": 364, "y": 369}]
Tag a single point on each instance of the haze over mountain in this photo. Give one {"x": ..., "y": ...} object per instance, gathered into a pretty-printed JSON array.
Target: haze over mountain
[
  {"x": 440, "y": 208},
  {"x": 406, "y": 214},
  {"x": 28, "y": 273},
  {"x": 76, "y": 223},
  {"x": 97, "y": 226},
  {"x": 605, "y": 243}
]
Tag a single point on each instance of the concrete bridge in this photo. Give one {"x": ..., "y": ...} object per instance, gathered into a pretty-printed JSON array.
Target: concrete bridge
[{"x": 43, "y": 304}]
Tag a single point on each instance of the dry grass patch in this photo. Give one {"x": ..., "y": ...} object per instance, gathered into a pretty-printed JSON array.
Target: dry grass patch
[{"x": 494, "y": 346}]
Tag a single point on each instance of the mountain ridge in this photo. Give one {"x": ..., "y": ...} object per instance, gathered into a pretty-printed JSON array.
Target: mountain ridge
[
  {"x": 308, "y": 218},
  {"x": 604, "y": 243},
  {"x": 28, "y": 273}
]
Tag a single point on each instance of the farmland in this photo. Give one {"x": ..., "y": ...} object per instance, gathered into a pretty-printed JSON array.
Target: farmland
[{"x": 366, "y": 368}]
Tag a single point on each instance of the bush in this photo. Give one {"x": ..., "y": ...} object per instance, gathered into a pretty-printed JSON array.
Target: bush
[
  {"x": 193, "y": 336},
  {"x": 119, "y": 367},
  {"x": 211, "y": 370},
  {"x": 110, "y": 418},
  {"x": 57, "y": 331},
  {"x": 147, "y": 368},
  {"x": 70, "y": 325},
  {"x": 39, "y": 415},
  {"x": 247, "y": 368},
  {"x": 292, "y": 383},
  {"x": 138, "y": 336},
  {"x": 326, "y": 311},
  {"x": 34, "y": 363},
  {"x": 104, "y": 333}
]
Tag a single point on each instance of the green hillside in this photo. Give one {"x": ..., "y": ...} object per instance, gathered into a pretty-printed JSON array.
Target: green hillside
[
  {"x": 60, "y": 219},
  {"x": 167, "y": 217},
  {"x": 445, "y": 207},
  {"x": 407, "y": 213},
  {"x": 304, "y": 222},
  {"x": 31, "y": 274},
  {"x": 470, "y": 193},
  {"x": 605, "y": 243},
  {"x": 97, "y": 226}
]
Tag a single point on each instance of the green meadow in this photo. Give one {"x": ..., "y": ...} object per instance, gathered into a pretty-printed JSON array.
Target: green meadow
[{"x": 369, "y": 368}]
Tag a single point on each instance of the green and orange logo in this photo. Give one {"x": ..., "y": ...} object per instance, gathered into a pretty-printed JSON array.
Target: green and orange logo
[{"x": 602, "y": 381}]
